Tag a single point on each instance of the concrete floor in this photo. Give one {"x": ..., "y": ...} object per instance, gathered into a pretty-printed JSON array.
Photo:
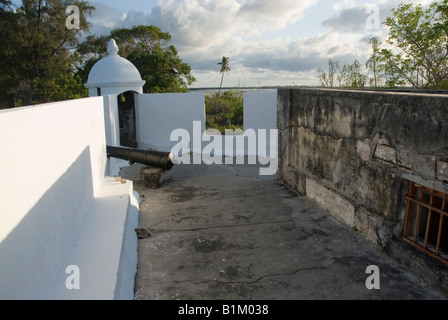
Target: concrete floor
[{"x": 224, "y": 232}]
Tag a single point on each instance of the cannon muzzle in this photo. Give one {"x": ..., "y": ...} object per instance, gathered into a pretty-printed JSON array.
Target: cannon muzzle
[{"x": 157, "y": 159}]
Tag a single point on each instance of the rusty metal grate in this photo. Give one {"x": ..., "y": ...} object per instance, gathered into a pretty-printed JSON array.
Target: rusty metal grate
[{"x": 426, "y": 221}]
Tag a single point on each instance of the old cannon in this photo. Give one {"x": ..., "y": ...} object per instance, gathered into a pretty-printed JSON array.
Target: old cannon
[{"x": 156, "y": 159}]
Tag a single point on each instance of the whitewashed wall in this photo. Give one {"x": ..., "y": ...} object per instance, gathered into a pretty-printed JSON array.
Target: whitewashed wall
[
  {"x": 260, "y": 113},
  {"x": 260, "y": 110},
  {"x": 157, "y": 115},
  {"x": 52, "y": 164},
  {"x": 111, "y": 120},
  {"x": 112, "y": 127}
]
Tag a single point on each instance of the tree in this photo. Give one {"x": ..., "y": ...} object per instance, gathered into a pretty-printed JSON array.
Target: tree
[
  {"x": 147, "y": 48},
  {"x": 374, "y": 62},
  {"x": 323, "y": 78},
  {"x": 333, "y": 67},
  {"x": 224, "y": 68},
  {"x": 392, "y": 75},
  {"x": 354, "y": 78},
  {"x": 420, "y": 49},
  {"x": 348, "y": 76},
  {"x": 35, "y": 51}
]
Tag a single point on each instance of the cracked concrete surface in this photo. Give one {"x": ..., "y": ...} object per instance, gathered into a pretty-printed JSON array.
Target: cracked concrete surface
[{"x": 223, "y": 232}]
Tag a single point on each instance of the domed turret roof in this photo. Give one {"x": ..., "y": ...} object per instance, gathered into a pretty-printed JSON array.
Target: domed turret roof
[{"x": 113, "y": 70}]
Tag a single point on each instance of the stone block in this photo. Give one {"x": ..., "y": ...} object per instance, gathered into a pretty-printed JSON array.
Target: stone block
[
  {"x": 154, "y": 178},
  {"x": 331, "y": 201},
  {"x": 386, "y": 153},
  {"x": 363, "y": 150},
  {"x": 365, "y": 222},
  {"x": 421, "y": 164},
  {"x": 442, "y": 170},
  {"x": 296, "y": 181},
  {"x": 373, "y": 226},
  {"x": 425, "y": 165},
  {"x": 405, "y": 159}
]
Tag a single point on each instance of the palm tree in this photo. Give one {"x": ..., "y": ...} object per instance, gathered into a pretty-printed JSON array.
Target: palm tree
[{"x": 224, "y": 67}]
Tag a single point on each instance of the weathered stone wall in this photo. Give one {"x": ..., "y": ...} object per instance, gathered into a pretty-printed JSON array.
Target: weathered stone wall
[{"x": 354, "y": 152}]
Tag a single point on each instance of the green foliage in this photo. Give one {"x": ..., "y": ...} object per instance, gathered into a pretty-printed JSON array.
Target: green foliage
[
  {"x": 374, "y": 63},
  {"x": 224, "y": 111},
  {"x": 419, "y": 40},
  {"x": 147, "y": 48},
  {"x": 68, "y": 87},
  {"x": 163, "y": 70},
  {"x": 348, "y": 75},
  {"x": 43, "y": 61},
  {"x": 417, "y": 52},
  {"x": 327, "y": 80},
  {"x": 352, "y": 76},
  {"x": 35, "y": 91},
  {"x": 35, "y": 51}
]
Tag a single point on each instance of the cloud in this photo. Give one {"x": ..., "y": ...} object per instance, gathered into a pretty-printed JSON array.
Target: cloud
[
  {"x": 344, "y": 4},
  {"x": 356, "y": 18},
  {"x": 276, "y": 14},
  {"x": 105, "y": 18},
  {"x": 349, "y": 20},
  {"x": 197, "y": 23},
  {"x": 204, "y": 23},
  {"x": 250, "y": 33},
  {"x": 280, "y": 56}
]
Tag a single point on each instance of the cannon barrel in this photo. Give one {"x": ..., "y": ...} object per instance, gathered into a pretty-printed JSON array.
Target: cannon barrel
[{"x": 157, "y": 159}]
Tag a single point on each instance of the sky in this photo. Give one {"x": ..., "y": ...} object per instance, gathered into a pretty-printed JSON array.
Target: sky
[{"x": 269, "y": 43}]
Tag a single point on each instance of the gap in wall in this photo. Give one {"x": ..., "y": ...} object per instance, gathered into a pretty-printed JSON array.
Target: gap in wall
[{"x": 224, "y": 110}]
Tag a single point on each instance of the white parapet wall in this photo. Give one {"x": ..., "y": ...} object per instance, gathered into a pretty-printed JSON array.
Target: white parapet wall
[
  {"x": 260, "y": 110},
  {"x": 111, "y": 120},
  {"x": 158, "y": 115},
  {"x": 54, "y": 185},
  {"x": 260, "y": 117}
]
